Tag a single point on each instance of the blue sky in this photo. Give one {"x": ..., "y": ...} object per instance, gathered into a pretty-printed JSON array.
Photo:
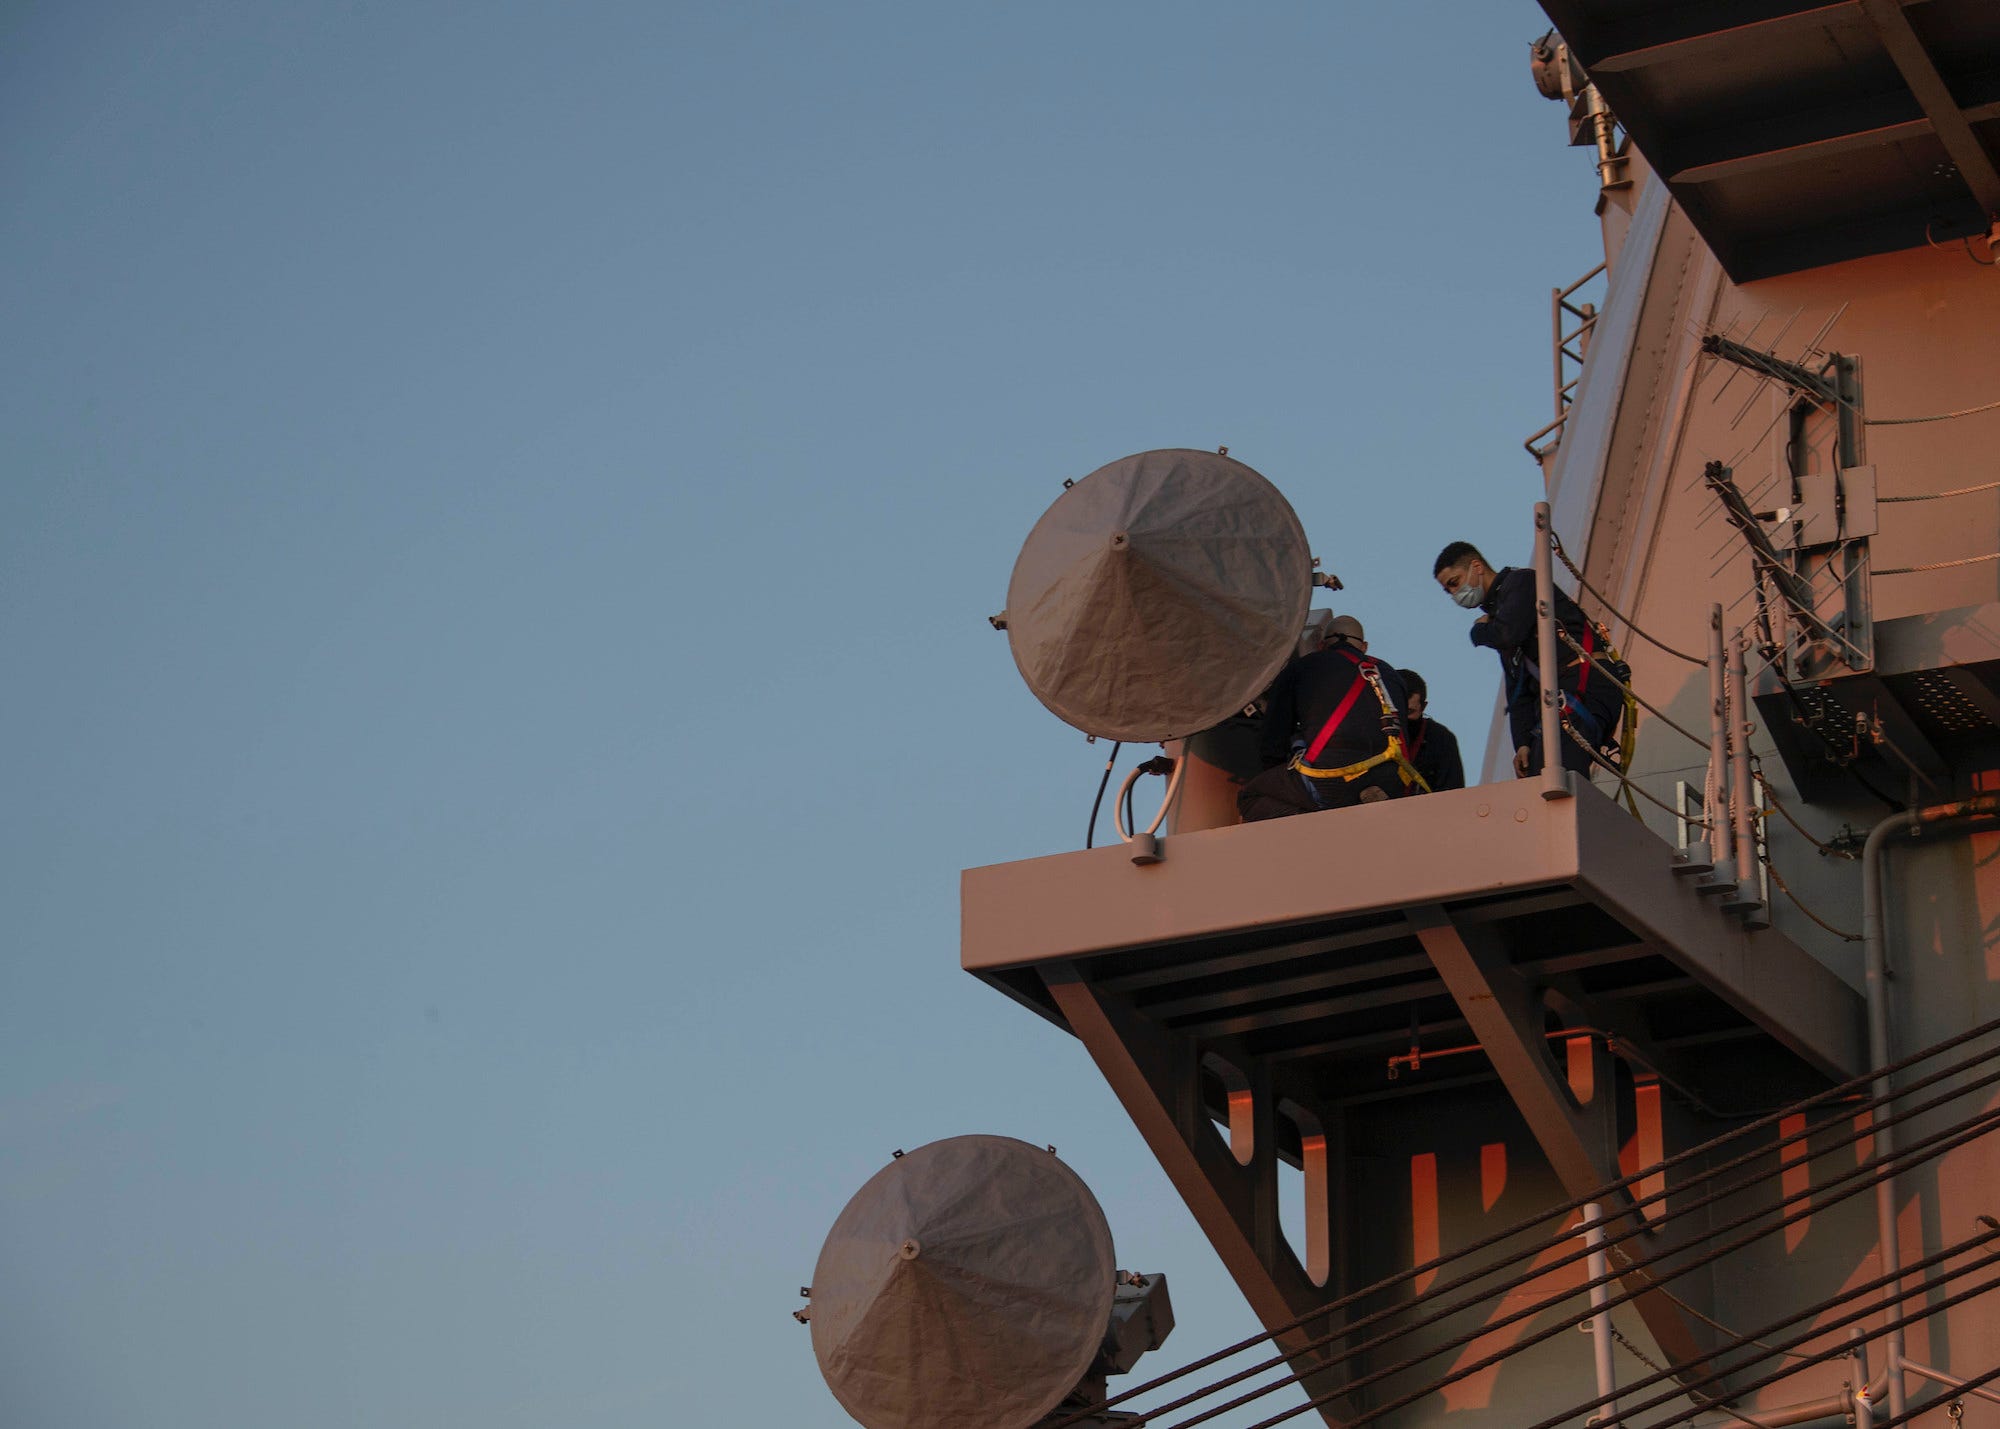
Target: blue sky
[{"x": 501, "y": 507}]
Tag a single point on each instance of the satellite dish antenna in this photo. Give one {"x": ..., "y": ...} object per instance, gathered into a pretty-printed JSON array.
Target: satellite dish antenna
[
  {"x": 1159, "y": 595},
  {"x": 969, "y": 1283}
]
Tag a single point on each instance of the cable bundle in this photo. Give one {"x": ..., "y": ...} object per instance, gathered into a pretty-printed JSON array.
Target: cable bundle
[{"x": 1323, "y": 1352}]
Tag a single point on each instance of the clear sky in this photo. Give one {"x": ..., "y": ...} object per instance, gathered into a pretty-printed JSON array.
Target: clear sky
[{"x": 501, "y": 503}]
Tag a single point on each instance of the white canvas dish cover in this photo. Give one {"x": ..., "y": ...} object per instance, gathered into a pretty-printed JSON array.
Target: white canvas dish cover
[
  {"x": 968, "y": 1285},
  {"x": 1159, "y": 595}
]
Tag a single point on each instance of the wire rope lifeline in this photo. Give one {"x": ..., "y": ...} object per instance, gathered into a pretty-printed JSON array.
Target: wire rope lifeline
[
  {"x": 1936, "y": 417},
  {"x": 1798, "y": 903},
  {"x": 1708, "y": 1320},
  {"x": 1625, "y": 785},
  {"x": 1556, "y": 545},
  {"x": 1866, "y": 1174},
  {"x": 1862, "y": 1083},
  {"x": 1869, "y": 1175},
  {"x": 1985, "y": 1122},
  {"x": 1939, "y": 495},
  {"x": 1666, "y": 719},
  {"x": 1980, "y": 1126},
  {"x": 1647, "y": 1360},
  {"x": 1786, "y": 814},
  {"x": 1938, "y": 566},
  {"x": 1763, "y": 855},
  {"x": 1810, "y": 1333}
]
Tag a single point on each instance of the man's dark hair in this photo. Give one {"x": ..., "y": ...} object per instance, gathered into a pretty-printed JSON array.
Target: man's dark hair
[
  {"x": 1414, "y": 683},
  {"x": 1454, "y": 553}
]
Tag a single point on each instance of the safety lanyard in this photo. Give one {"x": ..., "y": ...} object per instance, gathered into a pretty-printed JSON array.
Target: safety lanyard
[{"x": 1532, "y": 671}]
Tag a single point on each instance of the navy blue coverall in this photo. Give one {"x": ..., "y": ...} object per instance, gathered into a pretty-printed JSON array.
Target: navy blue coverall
[{"x": 1591, "y": 698}]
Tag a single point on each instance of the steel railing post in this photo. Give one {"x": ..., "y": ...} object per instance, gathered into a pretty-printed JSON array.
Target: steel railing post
[
  {"x": 1721, "y": 847},
  {"x": 1600, "y": 1323},
  {"x": 1742, "y": 814},
  {"x": 1864, "y": 1410},
  {"x": 1554, "y": 785},
  {"x": 1721, "y": 841},
  {"x": 1556, "y": 296}
]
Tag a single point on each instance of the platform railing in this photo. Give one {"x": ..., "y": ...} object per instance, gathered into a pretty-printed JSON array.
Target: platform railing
[
  {"x": 1731, "y": 849},
  {"x": 1570, "y": 325}
]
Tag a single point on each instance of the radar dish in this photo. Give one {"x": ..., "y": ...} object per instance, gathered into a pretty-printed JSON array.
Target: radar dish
[
  {"x": 1159, "y": 595},
  {"x": 969, "y": 1283}
]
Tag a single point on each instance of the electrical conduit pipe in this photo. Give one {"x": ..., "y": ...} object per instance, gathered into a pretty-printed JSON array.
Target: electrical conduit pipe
[{"x": 1962, "y": 817}]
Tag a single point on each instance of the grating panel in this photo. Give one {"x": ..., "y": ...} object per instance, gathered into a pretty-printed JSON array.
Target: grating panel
[{"x": 1945, "y": 704}]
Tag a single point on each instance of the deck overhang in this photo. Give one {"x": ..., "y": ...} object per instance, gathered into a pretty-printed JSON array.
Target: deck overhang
[
  {"x": 1284, "y": 980},
  {"x": 1801, "y": 132},
  {"x": 1302, "y": 934}
]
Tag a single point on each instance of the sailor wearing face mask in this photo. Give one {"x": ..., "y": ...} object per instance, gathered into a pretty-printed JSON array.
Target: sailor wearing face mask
[{"x": 1505, "y": 600}]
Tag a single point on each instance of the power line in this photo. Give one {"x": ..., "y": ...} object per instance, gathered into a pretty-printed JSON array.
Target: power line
[
  {"x": 1810, "y": 1333},
  {"x": 1625, "y": 784},
  {"x": 1841, "y": 1092},
  {"x": 1867, "y": 1174},
  {"x": 1555, "y": 543},
  {"x": 1958, "y": 1135}
]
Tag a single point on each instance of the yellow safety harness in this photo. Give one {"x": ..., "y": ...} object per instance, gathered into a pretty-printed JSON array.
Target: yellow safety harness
[
  {"x": 1628, "y": 723},
  {"x": 1392, "y": 728}
]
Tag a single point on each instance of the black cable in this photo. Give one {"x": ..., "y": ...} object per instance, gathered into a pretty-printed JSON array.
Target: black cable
[
  {"x": 1786, "y": 1349},
  {"x": 1610, "y": 1243},
  {"x": 1863, "y": 1083},
  {"x": 1693, "y": 1387},
  {"x": 1810, "y": 1333},
  {"x": 1090, "y": 839},
  {"x": 1867, "y": 1176},
  {"x": 1973, "y": 1128},
  {"x": 1873, "y": 1170}
]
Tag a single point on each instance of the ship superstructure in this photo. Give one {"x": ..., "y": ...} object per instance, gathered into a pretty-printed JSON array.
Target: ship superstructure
[{"x": 1675, "y": 1054}]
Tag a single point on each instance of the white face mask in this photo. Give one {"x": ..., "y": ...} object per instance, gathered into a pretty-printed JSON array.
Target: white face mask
[{"x": 1469, "y": 596}]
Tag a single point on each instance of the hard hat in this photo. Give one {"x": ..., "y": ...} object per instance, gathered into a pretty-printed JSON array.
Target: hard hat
[{"x": 1344, "y": 625}]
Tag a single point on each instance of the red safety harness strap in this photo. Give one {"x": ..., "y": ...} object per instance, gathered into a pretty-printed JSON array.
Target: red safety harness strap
[{"x": 1340, "y": 711}]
